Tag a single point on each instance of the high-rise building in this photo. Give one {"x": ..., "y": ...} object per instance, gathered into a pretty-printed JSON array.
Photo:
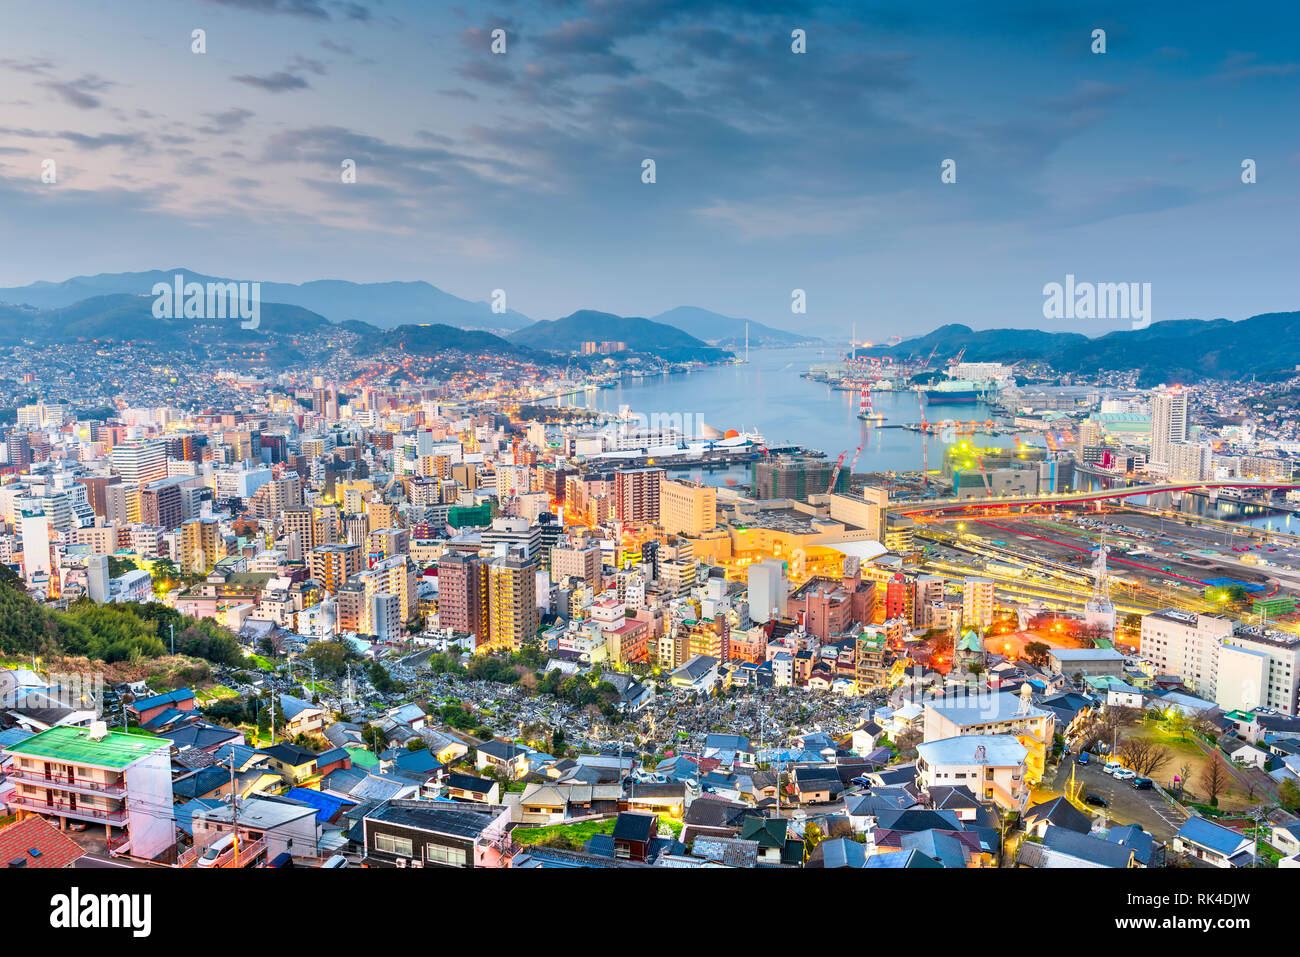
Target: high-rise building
[
  {"x": 1188, "y": 462},
  {"x": 1168, "y": 426},
  {"x": 977, "y": 603},
  {"x": 577, "y": 561},
  {"x": 332, "y": 564},
  {"x": 200, "y": 545},
  {"x": 636, "y": 495},
  {"x": 139, "y": 463},
  {"x": 1186, "y": 644},
  {"x": 687, "y": 508},
  {"x": 769, "y": 587},
  {"x": 512, "y": 602},
  {"x": 298, "y": 521},
  {"x": 795, "y": 478},
  {"x": 463, "y": 595},
  {"x": 160, "y": 503},
  {"x": 36, "y": 546}
]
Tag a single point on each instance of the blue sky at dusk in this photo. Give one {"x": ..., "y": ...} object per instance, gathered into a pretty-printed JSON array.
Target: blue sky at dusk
[{"x": 775, "y": 170}]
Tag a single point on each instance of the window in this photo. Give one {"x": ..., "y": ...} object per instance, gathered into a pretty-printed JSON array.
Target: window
[
  {"x": 439, "y": 854},
  {"x": 394, "y": 845}
]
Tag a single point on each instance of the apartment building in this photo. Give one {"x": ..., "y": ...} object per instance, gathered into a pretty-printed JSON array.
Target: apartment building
[
  {"x": 977, "y": 602},
  {"x": 512, "y": 602},
  {"x": 999, "y": 714},
  {"x": 991, "y": 765},
  {"x": 1186, "y": 644},
  {"x": 97, "y": 776},
  {"x": 636, "y": 495}
]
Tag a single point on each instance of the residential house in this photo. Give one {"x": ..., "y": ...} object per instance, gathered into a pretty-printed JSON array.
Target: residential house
[
  {"x": 434, "y": 834},
  {"x": 1214, "y": 844}
]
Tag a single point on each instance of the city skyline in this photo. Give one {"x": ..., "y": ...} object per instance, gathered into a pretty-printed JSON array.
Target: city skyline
[{"x": 522, "y": 171}]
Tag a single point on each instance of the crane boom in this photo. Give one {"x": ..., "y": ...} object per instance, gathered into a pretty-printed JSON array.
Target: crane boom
[{"x": 835, "y": 472}]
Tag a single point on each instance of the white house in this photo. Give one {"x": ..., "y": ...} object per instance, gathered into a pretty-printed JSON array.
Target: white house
[{"x": 991, "y": 765}]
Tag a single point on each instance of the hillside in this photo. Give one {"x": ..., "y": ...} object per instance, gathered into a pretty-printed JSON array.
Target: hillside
[
  {"x": 719, "y": 330},
  {"x": 1182, "y": 350},
  {"x": 128, "y": 318},
  {"x": 384, "y": 305},
  {"x": 641, "y": 335},
  {"x": 432, "y": 340}
]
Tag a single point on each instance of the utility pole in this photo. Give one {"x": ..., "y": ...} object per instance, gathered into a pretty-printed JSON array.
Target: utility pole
[
  {"x": 173, "y": 627},
  {"x": 234, "y": 806}
]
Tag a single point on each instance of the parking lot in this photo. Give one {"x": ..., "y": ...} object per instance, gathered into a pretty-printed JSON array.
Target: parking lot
[{"x": 1127, "y": 806}]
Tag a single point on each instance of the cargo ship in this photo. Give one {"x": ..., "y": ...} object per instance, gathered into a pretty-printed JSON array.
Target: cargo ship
[{"x": 956, "y": 391}]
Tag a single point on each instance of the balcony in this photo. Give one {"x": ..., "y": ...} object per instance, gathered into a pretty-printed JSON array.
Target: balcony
[
  {"x": 66, "y": 782},
  {"x": 82, "y": 812}
]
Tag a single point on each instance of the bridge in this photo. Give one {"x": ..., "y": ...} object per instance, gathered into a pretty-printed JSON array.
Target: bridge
[{"x": 943, "y": 506}]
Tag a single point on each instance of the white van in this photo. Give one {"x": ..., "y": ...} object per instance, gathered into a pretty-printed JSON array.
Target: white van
[
  {"x": 215, "y": 850},
  {"x": 338, "y": 860},
  {"x": 1112, "y": 767}
]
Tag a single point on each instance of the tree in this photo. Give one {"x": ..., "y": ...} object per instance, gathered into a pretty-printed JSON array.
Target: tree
[
  {"x": 1214, "y": 778},
  {"x": 1288, "y": 795},
  {"x": 1036, "y": 652},
  {"x": 1143, "y": 756},
  {"x": 812, "y": 836}
]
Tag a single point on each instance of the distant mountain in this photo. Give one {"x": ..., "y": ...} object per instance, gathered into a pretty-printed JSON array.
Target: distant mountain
[
  {"x": 126, "y": 318},
  {"x": 720, "y": 330},
  {"x": 986, "y": 345},
  {"x": 435, "y": 339},
  {"x": 1176, "y": 351},
  {"x": 641, "y": 335},
  {"x": 384, "y": 305}
]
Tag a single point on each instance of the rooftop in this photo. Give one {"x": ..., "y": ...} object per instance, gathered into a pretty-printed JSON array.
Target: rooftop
[{"x": 74, "y": 745}]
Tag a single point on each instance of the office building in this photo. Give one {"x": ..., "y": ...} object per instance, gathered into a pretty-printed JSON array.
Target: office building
[{"x": 687, "y": 508}]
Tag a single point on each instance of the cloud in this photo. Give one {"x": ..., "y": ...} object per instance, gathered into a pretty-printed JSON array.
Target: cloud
[
  {"x": 227, "y": 121},
  {"x": 279, "y": 82},
  {"x": 310, "y": 9}
]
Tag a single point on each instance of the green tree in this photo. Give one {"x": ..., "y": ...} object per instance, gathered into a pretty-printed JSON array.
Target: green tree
[{"x": 1288, "y": 795}]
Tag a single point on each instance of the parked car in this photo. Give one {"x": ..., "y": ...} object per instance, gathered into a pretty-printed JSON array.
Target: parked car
[
  {"x": 1112, "y": 767},
  {"x": 1095, "y": 800},
  {"x": 1082, "y": 758},
  {"x": 215, "y": 850},
  {"x": 1141, "y": 784},
  {"x": 1125, "y": 774}
]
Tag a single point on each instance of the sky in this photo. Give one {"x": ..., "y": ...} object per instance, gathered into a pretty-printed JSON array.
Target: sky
[{"x": 774, "y": 170}]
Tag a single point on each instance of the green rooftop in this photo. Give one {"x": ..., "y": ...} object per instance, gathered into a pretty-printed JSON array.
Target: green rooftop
[{"x": 73, "y": 745}]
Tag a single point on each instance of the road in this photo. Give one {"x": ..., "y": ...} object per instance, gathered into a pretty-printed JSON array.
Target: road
[{"x": 1127, "y": 806}]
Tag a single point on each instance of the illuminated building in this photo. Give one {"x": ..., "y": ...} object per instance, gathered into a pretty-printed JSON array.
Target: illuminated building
[
  {"x": 687, "y": 508},
  {"x": 333, "y": 564},
  {"x": 636, "y": 495},
  {"x": 200, "y": 545},
  {"x": 512, "y": 602},
  {"x": 977, "y": 602}
]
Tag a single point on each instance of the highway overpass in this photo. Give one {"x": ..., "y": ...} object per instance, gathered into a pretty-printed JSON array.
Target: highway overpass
[{"x": 954, "y": 505}]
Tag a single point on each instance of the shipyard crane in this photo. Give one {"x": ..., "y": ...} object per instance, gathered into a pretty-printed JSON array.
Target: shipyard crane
[
  {"x": 854, "y": 464},
  {"x": 929, "y": 358},
  {"x": 835, "y": 472}
]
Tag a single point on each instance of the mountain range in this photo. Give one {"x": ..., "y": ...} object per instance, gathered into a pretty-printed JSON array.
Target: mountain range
[
  {"x": 383, "y": 305},
  {"x": 1184, "y": 351}
]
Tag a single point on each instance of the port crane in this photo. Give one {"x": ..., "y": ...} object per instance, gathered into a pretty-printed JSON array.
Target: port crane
[{"x": 839, "y": 464}]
